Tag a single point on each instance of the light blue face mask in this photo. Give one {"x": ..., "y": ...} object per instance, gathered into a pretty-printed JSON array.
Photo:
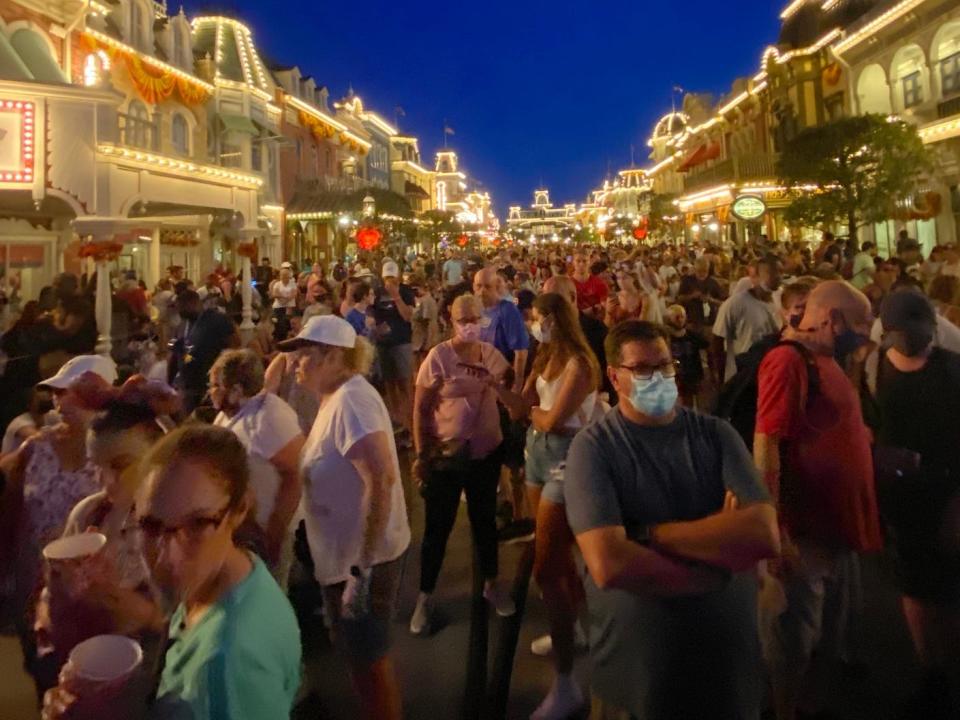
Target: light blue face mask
[{"x": 654, "y": 397}]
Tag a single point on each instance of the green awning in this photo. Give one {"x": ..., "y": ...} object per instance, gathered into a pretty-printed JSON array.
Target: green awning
[
  {"x": 36, "y": 56},
  {"x": 239, "y": 123},
  {"x": 12, "y": 66}
]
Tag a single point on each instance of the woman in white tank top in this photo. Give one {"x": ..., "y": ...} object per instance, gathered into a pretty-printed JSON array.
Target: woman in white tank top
[{"x": 560, "y": 397}]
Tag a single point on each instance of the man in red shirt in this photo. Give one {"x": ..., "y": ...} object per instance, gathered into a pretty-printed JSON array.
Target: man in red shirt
[
  {"x": 825, "y": 489},
  {"x": 591, "y": 290}
]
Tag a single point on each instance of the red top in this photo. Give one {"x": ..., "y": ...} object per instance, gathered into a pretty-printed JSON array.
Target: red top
[
  {"x": 591, "y": 292},
  {"x": 828, "y": 493}
]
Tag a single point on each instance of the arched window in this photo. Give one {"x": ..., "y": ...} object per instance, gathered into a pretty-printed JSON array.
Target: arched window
[
  {"x": 442, "y": 195},
  {"x": 180, "y": 134},
  {"x": 137, "y": 130}
]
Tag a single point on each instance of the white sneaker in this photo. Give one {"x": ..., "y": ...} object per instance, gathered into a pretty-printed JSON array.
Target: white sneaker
[
  {"x": 543, "y": 645},
  {"x": 420, "y": 622},
  {"x": 500, "y": 599},
  {"x": 564, "y": 699}
]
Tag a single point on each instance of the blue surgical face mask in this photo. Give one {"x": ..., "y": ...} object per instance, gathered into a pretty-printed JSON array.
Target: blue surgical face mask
[{"x": 655, "y": 397}]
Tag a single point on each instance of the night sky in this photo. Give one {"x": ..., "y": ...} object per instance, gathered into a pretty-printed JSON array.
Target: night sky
[{"x": 535, "y": 91}]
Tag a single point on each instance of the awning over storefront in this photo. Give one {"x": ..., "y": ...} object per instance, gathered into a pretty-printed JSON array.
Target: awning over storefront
[
  {"x": 238, "y": 123},
  {"x": 413, "y": 190},
  {"x": 314, "y": 200},
  {"x": 707, "y": 151}
]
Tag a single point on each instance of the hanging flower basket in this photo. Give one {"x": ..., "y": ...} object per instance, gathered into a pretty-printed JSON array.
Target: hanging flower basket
[
  {"x": 101, "y": 250},
  {"x": 247, "y": 250}
]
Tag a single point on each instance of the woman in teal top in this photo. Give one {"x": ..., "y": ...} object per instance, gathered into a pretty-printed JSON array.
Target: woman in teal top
[{"x": 234, "y": 645}]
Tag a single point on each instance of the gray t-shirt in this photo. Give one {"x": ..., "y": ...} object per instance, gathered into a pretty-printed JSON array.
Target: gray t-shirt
[{"x": 696, "y": 656}]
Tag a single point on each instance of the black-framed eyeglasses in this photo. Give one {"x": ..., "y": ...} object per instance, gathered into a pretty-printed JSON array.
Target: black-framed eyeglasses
[
  {"x": 153, "y": 531},
  {"x": 646, "y": 372}
]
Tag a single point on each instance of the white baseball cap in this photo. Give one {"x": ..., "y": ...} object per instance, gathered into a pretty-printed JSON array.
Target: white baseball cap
[
  {"x": 390, "y": 269},
  {"x": 71, "y": 371},
  {"x": 322, "y": 330},
  {"x": 286, "y": 265}
]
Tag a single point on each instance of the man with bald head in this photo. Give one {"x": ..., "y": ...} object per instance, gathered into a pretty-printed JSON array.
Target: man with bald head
[
  {"x": 503, "y": 324},
  {"x": 809, "y": 418},
  {"x": 594, "y": 330}
]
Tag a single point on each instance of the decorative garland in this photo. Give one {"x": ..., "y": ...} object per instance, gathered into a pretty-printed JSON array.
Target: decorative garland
[
  {"x": 178, "y": 238},
  {"x": 101, "y": 250},
  {"x": 153, "y": 84},
  {"x": 320, "y": 130}
]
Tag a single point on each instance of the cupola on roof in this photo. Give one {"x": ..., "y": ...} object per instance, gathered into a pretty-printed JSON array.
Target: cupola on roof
[{"x": 230, "y": 44}]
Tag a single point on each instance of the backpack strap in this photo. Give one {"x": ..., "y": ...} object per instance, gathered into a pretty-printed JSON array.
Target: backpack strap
[{"x": 813, "y": 374}]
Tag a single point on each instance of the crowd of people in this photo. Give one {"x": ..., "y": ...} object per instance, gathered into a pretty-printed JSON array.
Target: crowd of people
[{"x": 719, "y": 434}]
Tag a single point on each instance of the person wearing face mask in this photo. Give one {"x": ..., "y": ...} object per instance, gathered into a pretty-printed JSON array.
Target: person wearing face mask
[
  {"x": 457, "y": 438},
  {"x": 671, "y": 518},
  {"x": 269, "y": 429},
  {"x": 745, "y": 318},
  {"x": 917, "y": 393},
  {"x": 813, "y": 449},
  {"x": 560, "y": 397}
]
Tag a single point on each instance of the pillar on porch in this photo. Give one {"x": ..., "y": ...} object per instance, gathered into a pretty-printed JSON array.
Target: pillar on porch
[
  {"x": 104, "y": 309},
  {"x": 153, "y": 266}
]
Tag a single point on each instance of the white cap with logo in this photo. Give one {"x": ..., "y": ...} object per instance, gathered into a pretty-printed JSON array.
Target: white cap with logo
[
  {"x": 73, "y": 369},
  {"x": 390, "y": 269},
  {"x": 322, "y": 330}
]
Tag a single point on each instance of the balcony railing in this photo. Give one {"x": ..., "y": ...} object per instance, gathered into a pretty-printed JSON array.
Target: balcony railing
[
  {"x": 747, "y": 167},
  {"x": 948, "y": 108},
  {"x": 136, "y": 132}
]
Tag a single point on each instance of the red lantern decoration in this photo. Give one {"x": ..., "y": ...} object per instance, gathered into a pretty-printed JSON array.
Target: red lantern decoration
[
  {"x": 639, "y": 233},
  {"x": 368, "y": 238},
  {"x": 463, "y": 240}
]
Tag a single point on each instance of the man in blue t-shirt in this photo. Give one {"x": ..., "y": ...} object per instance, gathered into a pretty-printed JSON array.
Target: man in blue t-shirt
[
  {"x": 392, "y": 311},
  {"x": 503, "y": 325}
]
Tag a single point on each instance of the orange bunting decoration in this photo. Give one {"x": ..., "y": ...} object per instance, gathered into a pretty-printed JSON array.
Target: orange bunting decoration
[{"x": 153, "y": 83}]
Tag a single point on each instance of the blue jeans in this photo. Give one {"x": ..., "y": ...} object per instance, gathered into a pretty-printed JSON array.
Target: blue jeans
[{"x": 545, "y": 459}]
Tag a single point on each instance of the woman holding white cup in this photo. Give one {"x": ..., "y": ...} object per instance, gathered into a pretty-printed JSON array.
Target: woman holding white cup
[{"x": 234, "y": 645}]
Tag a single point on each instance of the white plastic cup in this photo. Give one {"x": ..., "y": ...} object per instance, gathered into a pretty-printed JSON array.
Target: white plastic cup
[
  {"x": 105, "y": 658},
  {"x": 75, "y": 547}
]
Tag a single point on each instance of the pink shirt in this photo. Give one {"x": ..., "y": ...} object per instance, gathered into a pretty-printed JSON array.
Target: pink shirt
[{"x": 467, "y": 406}]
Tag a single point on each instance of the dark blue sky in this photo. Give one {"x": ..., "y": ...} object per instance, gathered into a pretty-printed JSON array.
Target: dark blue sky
[{"x": 535, "y": 91}]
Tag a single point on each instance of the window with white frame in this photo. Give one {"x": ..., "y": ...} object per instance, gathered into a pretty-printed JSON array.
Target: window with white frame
[
  {"x": 137, "y": 130},
  {"x": 950, "y": 74},
  {"x": 180, "y": 134},
  {"x": 912, "y": 89}
]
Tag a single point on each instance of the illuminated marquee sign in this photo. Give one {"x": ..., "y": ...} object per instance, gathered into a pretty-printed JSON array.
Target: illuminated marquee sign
[
  {"x": 749, "y": 207},
  {"x": 17, "y": 142}
]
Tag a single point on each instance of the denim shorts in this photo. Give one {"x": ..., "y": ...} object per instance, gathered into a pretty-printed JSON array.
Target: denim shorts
[{"x": 545, "y": 459}]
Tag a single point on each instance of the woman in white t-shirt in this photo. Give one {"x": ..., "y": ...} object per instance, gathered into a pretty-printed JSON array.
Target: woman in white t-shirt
[
  {"x": 269, "y": 430},
  {"x": 284, "y": 292},
  {"x": 355, "y": 514}
]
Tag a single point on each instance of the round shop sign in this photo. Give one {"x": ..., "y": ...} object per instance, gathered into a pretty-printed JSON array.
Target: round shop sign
[{"x": 749, "y": 207}]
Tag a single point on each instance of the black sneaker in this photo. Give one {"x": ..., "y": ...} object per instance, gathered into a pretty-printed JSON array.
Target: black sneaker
[{"x": 519, "y": 531}]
